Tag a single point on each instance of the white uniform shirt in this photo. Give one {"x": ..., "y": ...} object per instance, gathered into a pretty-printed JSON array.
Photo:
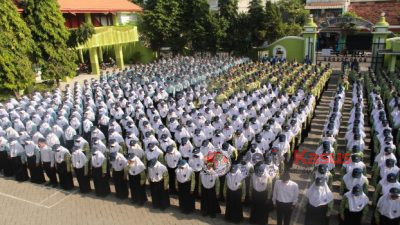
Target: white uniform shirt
[
  {"x": 388, "y": 207},
  {"x": 119, "y": 163},
  {"x": 208, "y": 179},
  {"x": 172, "y": 158},
  {"x": 98, "y": 159},
  {"x": 136, "y": 166},
  {"x": 183, "y": 174},
  {"x": 285, "y": 192},
  {"x": 79, "y": 159},
  {"x": 234, "y": 180},
  {"x": 156, "y": 173}
]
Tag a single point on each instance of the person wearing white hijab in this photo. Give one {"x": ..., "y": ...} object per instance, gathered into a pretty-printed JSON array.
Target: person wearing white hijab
[
  {"x": 320, "y": 203},
  {"x": 388, "y": 209},
  {"x": 137, "y": 179},
  {"x": 384, "y": 185},
  {"x": 354, "y": 206}
]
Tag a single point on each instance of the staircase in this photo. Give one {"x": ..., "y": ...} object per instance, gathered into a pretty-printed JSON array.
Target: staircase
[{"x": 300, "y": 173}]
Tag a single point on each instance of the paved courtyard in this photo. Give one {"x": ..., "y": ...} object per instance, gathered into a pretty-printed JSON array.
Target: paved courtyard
[{"x": 27, "y": 203}]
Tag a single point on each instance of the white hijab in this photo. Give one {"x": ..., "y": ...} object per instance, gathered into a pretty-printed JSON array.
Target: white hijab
[
  {"x": 319, "y": 195},
  {"x": 356, "y": 203}
]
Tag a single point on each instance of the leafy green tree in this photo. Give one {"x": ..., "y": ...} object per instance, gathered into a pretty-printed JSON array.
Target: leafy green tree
[
  {"x": 150, "y": 4},
  {"x": 291, "y": 29},
  {"x": 293, "y": 11},
  {"x": 138, "y": 2},
  {"x": 274, "y": 22},
  {"x": 228, "y": 12},
  {"x": 217, "y": 32},
  {"x": 162, "y": 24},
  {"x": 257, "y": 22},
  {"x": 51, "y": 36},
  {"x": 16, "y": 71},
  {"x": 242, "y": 35},
  {"x": 80, "y": 35}
]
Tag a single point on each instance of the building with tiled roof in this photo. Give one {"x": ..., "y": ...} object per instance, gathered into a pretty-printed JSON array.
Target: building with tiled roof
[
  {"x": 109, "y": 17},
  {"x": 371, "y": 11}
]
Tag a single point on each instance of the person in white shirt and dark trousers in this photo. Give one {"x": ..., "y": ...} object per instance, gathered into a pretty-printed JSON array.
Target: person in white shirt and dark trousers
[{"x": 285, "y": 196}]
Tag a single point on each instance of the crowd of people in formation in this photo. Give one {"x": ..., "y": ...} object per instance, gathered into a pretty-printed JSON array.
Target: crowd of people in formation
[
  {"x": 153, "y": 127},
  {"x": 355, "y": 198}
]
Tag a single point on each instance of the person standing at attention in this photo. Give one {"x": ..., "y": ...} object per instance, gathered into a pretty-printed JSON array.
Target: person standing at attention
[{"x": 284, "y": 198}]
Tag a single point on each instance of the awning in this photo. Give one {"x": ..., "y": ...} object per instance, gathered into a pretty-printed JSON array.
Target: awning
[{"x": 324, "y": 5}]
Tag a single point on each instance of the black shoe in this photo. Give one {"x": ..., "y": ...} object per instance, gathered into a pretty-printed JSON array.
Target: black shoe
[
  {"x": 55, "y": 185},
  {"x": 48, "y": 184}
]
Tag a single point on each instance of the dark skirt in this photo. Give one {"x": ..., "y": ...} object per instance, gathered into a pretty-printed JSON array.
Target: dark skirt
[
  {"x": 138, "y": 191},
  {"x": 87, "y": 136},
  {"x": 387, "y": 221},
  {"x": 36, "y": 171},
  {"x": 6, "y": 164},
  {"x": 196, "y": 193},
  {"x": 221, "y": 187},
  {"x": 316, "y": 215},
  {"x": 121, "y": 185},
  {"x": 50, "y": 172},
  {"x": 186, "y": 199},
  {"x": 20, "y": 169},
  {"x": 64, "y": 176},
  {"x": 159, "y": 196},
  {"x": 83, "y": 180},
  {"x": 259, "y": 207},
  {"x": 209, "y": 202},
  {"x": 69, "y": 144},
  {"x": 101, "y": 183},
  {"x": 234, "y": 207},
  {"x": 351, "y": 218},
  {"x": 172, "y": 178}
]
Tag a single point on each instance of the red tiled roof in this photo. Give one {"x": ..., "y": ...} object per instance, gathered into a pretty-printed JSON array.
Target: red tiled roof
[
  {"x": 372, "y": 10},
  {"x": 96, "y": 6},
  {"x": 100, "y": 6},
  {"x": 324, "y": 5}
]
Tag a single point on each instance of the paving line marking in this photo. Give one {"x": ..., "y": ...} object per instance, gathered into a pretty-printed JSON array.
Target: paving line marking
[
  {"x": 49, "y": 197},
  {"x": 65, "y": 197},
  {"x": 23, "y": 200}
]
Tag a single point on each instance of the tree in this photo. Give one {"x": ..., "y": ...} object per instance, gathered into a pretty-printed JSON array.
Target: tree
[
  {"x": 294, "y": 16},
  {"x": 80, "y": 35},
  {"x": 150, "y": 4},
  {"x": 162, "y": 24},
  {"x": 138, "y": 2},
  {"x": 257, "y": 22},
  {"x": 217, "y": 32},
  {"x": 16, "y": 71},
  {"x": 274, "y": 22},
  {"x": 197, "y": 22},
  {"x": 51, "y": 36},
  {"x": 293, "y": 11},
  {"x": 242, "y": 35},
  {"x": 228, "y": 19}
]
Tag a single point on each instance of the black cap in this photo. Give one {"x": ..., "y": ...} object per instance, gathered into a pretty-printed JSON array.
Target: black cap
[
  {"x": 356, "y": 173},
  {"x": 152, "y": 162}
]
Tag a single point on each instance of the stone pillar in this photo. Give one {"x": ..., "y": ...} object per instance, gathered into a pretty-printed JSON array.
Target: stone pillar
[
  {"x": 100, "y": 52},
  {"x": 88, "y": 18},
  {"x": 94, "y": 61},
  {"x": 115, "y": 18},
  {"x": 81, "y": 56},
  {"x": 310, "y": 39},
  {"x": 119, "y": 56},
  {"x": 379, "y": 36},
  {"x": 392, "y": 64}
]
